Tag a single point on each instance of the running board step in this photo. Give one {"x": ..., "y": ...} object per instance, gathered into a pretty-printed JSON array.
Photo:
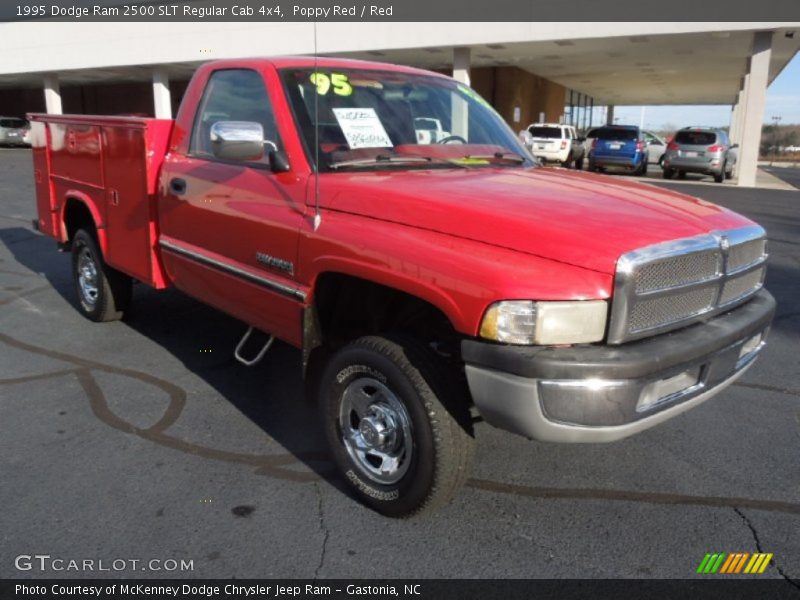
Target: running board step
[{"x": 238, "y": 352}]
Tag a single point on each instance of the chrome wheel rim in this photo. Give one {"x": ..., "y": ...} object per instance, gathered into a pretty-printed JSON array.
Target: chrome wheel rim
[
  {"x": 376, "y": 430},
  {"x": 87, "y": 277}
]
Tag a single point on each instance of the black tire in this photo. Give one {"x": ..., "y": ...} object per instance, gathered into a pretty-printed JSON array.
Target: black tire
[
  {"x": 579, "y": 164},
  {"x": 397, "y": 370},
  {"x": 105, "y": 295},
  {"x": 661, "y": 161},
  {"x": 669, "y": 173},
  {"x": 681, "y": 174},
  {"x": 719, "y": 177},
  {"x": 567, "y": 163}
]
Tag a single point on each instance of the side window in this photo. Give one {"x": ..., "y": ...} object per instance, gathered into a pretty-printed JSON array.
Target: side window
[{"x": 232, "y": 95}]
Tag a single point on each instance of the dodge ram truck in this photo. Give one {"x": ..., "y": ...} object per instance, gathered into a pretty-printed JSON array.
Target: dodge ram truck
[{"x": 428, "y": 283}]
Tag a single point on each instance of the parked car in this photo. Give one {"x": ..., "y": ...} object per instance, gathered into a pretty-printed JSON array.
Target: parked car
[
  {"x": 14, "y": 131},
  {"x": 656, "y": 148},
  {"x": 619, "y": 146},
  {"x": 553, "y": 142},
  {"x": 429, "y": 130},
  {"x": 424, "y": 285},
  {"x": 700, "y": 150}
]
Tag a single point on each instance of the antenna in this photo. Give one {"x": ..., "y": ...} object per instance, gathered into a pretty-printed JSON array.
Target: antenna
[{"x": 317, "y": 214}]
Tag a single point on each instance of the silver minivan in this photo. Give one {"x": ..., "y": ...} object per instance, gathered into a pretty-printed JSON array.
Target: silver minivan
[{"x": 700, "y": 150}]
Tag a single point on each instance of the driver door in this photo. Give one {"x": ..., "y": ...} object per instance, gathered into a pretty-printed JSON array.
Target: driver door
[{"x": 230, "y": 229}]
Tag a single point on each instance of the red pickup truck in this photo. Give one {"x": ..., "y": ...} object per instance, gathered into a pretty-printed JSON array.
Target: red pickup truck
[{"x": 428, "y": 282}]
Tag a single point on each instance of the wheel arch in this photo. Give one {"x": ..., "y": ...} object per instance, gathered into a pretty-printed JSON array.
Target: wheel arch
[
  {"x": 78, "y": 211},
  {"x": 345, "y": 302}
]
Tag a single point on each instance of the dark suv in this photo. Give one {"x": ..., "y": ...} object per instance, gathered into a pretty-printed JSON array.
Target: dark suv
[
  {"x": 620, "y": 146},
  {"x": 700, "y": 150}
]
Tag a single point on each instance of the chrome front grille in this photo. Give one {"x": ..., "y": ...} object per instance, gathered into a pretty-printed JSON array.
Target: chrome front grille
[
  {"x": 670, "y": 285},
  {"x": 678, "y": 270}
]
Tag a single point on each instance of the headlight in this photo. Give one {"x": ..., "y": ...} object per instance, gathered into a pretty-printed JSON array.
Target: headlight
[{"x": 526, "y": 322}]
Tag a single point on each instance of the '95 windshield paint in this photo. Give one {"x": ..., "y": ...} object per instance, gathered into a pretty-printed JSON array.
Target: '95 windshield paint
[{"x": 388, "y": 120}]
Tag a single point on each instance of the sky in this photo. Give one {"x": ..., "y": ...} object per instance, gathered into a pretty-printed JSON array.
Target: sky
[{"x": 783, "y": 100}]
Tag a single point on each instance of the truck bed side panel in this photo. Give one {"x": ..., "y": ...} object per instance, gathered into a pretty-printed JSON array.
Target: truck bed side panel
[
  {"x": 49, "y": 222},
  {"x": 111, "y": 165}
]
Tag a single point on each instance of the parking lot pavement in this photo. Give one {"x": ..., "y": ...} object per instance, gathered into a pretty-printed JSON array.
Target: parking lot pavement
[
  {"x": 146, "y": 440},
  {"x": 790, "y": 175},
  {"x": 766, "y": 178}
]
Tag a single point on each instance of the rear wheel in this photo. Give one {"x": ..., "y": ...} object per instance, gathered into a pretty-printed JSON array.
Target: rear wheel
[
  {"x": 566, "y": 163},
  {"x": 681, "y": 174},
  {"x": 398, "y": 434},
  {"x": 104, "y": 294},
  {"x": 669, "y": 173}
]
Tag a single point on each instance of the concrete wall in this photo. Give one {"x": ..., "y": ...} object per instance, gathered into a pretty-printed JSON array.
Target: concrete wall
[
  {"x": 510, "y": 87},
  {"x": 97, "y": 99},
  {"x": 19, "y": 102}
]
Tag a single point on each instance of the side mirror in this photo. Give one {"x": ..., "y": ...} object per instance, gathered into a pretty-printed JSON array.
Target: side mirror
[
  {"x": 734, "y": 146},
  {"x": 237, "y": 140}
]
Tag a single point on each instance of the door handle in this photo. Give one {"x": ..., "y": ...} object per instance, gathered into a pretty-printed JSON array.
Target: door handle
[{"x": 177, "y": 186}]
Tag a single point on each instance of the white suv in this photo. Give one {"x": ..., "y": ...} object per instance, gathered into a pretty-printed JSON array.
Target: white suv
[{"x": 552, "y": 142}]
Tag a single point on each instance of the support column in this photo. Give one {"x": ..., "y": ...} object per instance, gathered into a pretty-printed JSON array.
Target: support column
[
  {"x": 610, "y": 114},
  {"x": 461, "y": 59},
  {"x": 736, "y": 110},
  {"x": 459, "y": 116},
  {"x": 755, "y": 93},
  {"x": 162, "y": 100},
  {"x": 52, "y": 95},
  {"x": 741, "y": 108}
]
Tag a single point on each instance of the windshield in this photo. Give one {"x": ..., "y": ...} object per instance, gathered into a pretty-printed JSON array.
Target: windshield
[
  {"x": 545, "y": 132},
  {"x": 616, "y": 135},
  {"x": 389, "y": 120}
]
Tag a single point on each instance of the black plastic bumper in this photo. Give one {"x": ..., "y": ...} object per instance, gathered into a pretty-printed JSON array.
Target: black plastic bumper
[{"x": 554, "y": 393}]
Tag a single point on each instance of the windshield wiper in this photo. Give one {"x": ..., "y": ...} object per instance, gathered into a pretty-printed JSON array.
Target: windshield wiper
[
  {"x": 389, "y": 158},
  {"x": 510, "y": 156}
]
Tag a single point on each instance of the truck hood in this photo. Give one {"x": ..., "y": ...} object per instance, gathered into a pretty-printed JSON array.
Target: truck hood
[{"x": 574, "y": 217}]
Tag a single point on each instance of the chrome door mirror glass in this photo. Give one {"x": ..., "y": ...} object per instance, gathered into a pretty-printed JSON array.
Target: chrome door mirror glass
[{"x": 237, "y": 140}]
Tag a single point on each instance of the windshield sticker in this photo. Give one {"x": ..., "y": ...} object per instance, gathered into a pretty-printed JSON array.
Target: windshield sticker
[
  {"x": 469, "y": 160},
  {"x": 336, "y": 81},
  {"x": 362, "y": 128},
  {"x": 473, "y": 94}
]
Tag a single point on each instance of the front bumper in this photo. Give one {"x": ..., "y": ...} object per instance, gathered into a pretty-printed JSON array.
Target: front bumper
[{"x": 606, "y": 393}]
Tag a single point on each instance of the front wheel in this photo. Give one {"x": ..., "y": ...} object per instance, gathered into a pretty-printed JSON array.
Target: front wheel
[
  {"x": 398, "y": 434},
  {"x": 104, "y": 294}
]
